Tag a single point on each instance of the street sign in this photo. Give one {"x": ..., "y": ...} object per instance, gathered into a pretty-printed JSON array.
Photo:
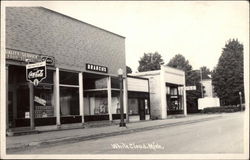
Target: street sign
[
  {"x": 36, "y": 72},
  {"x": 190, "y": 88}
]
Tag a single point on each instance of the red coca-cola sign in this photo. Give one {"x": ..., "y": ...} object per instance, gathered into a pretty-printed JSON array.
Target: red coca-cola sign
[{"x": 36, "y": 72}]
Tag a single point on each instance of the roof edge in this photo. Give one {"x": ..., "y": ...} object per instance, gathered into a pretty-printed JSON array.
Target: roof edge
[{"x": 81, "y": 21}]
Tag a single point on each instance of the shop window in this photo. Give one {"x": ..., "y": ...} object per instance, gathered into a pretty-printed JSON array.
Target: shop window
[
  {"x": 133, "y": 106},
  {"x": 100, "y": 83},
  {"x": 173, "y": 91},
  {"x": 69, "y": 101},
  {"x": 43, "y": 101},
  {"x": 68, "y": 78},
  {"x": 115, "y": 82},
  {"x": 96, "y": 103}
]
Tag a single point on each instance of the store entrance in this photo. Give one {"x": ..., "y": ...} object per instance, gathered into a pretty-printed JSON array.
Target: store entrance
[{"x": 142, "y": 108}]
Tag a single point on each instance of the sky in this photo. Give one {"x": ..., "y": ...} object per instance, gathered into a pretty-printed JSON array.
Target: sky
[{"x": 196, "y": 29}]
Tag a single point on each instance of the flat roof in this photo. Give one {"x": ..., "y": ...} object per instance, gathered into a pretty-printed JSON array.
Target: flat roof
[{"x": 81, "y": 21}]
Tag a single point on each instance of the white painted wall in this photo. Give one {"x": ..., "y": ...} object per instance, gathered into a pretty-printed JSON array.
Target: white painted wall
[
  {"x": 174, "y": 76},
  {"x": 155, "y": 96},
  {"x": 135, "y": 84},
  {"x": 208, "y": 102},
  {"x": 208, "y": 87}
]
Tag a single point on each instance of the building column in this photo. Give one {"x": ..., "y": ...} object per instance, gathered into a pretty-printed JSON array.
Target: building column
[
  {"x": 81, "y": 103},
  {"x": 14, "y": 99},
  {"x": 184, "y": 98},
  {"x": 57, "y": 97},
  {"x": 32, "y": 109},
  {"x": 163, "y": 93},
  {"x": 7, "y": 98},
  {"x": 125, "y": 98},
  {"x": 109, "y": 97}
]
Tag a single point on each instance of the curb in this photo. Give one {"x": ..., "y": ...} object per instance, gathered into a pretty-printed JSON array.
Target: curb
[{"x": 101, "y": 135}]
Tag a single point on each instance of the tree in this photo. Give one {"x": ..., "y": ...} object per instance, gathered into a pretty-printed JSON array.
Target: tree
[
  {"x": 227, "y": 77},
  {"x": 192, "y": 79},
  {"x": 206, "y": 73},
  {"x": 150, "y": 61},
  {"x": 128, "y": 69},
  {"x": 179, "y": 62}
]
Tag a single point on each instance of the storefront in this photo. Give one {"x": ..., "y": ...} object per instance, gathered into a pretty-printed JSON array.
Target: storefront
[
  {"x": 138, "y": 98},
  {"x": 166, "y": 91},
  {"x": 82, "y": 61}
]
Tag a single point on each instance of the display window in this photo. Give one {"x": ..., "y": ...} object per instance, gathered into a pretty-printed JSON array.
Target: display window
[
  {"x": 43, "y": 97},
  {"x": 174, "y": 99},
  {"x": 43, "y": 101},
  {"x": 133, "y": 106},
  {"x": 69, "y": 93},
  {"x": 69, "y": 101},
  {"x": 96, "y": 103}
]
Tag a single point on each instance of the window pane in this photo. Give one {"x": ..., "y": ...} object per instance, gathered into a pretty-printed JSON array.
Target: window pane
[
  {"x": 96, "y": 103},
  {"x": 115, "y": 83},
  {"x": 68, "y": 78},
  {"x": 133, "y": 106},
  {"x": 69, "y": 101},
  {"x": 43, "y": 101}
]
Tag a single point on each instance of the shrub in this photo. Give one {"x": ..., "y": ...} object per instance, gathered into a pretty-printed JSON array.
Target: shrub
[{"x": 225, "y": 109}]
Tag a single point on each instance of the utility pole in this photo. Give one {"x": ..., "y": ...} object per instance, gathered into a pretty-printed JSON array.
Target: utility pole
[{"x": 201, "y": 84}]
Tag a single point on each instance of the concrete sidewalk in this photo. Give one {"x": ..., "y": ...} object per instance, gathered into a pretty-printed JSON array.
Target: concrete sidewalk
[{"x": 74, "y": 135}]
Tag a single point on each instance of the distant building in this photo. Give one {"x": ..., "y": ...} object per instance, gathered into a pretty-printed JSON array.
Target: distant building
[
  {"x": 209, "y": 98},
  {"x": 208, "y": 87}
]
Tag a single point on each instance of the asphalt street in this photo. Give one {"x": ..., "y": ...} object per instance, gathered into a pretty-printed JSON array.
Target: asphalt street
[{"x": 221, "y": 135}]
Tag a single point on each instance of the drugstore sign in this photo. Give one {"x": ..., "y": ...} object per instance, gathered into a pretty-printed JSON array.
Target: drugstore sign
[
  {"x": 36, "y": 72},
  {"x": 24, "y": 56}
]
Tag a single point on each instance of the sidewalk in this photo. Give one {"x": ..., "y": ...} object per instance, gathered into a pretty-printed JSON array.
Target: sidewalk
[{"x": 81, "y": 134}]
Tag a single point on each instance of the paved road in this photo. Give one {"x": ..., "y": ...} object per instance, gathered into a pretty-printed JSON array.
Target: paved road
[{"x": 223, "y": 135}]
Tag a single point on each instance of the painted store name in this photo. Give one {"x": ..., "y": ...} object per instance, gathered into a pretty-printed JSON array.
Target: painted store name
[{"x": 96, "y": 68}]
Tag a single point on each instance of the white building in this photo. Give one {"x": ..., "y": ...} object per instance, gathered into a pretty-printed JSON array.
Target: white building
[{"x": 167, "y": 94}]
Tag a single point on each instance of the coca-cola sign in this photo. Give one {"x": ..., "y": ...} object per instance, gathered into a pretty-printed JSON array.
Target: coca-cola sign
[{"x": 36, "y": 72}]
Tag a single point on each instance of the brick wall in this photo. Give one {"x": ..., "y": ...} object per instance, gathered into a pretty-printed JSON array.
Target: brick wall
[{"x": 73, "y": 43}]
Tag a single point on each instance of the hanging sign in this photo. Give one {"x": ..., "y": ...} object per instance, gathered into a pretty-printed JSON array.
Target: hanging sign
[
  {"x": 36, "y": 72},
  {"x": 190, "y": 88}
]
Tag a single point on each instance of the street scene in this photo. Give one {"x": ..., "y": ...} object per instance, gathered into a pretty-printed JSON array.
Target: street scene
[
  {"x": 137, "y": 79},
  {"x": 203, "y": 136}
]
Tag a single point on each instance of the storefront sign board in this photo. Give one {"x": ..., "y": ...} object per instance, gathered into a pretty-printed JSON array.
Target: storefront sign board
[
  {"x": 24, "y": 56},
  {"x": 190, "y": 88},
  {"x": 96, "y": 68}
]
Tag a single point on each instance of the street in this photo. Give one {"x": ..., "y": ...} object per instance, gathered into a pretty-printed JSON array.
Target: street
[{"x": 221, "y": 135}]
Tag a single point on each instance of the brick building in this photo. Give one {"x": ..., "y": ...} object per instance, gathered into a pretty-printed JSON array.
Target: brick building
[{"x": 82, "y": 62}]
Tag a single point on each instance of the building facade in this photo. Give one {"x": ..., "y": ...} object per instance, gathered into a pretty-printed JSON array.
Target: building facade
[
  {"x": 80, "y": 82},
  {"x": 167, "y": 91},
  {"x": 82, "y": 61}
]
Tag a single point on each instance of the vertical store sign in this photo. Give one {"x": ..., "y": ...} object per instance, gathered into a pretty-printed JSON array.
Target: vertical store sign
[{"x": 36, "y": 72}]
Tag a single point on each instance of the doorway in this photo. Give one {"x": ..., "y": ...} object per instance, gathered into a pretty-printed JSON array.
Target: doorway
[{"x": 141, "y": 108}]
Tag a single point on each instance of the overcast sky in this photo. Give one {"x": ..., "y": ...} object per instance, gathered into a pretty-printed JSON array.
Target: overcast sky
[{"x": 197, "y": 30}]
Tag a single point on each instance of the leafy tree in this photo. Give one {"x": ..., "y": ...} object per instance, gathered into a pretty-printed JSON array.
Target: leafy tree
[
  {"x": 179, "y": 62},
  {"x": 128, "y": 69},
  {"x": 206, "y": 73},
  {"x": 227, "y": 77},
  {"x": 192, "y": 79},
  {"x": 150, "y": 61}
]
